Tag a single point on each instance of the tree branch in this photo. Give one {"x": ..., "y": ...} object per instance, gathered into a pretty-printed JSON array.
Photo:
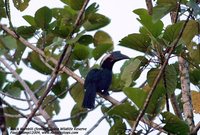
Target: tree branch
[
  {"x": 195, "y": 129},
  {"x": 149, "y": 6},
  {"x": 24, "y": 116},
  {"x": 175, "y": 106},
  {"x": 157, "y": 79},
  {"x": 56, "y": 70},
  {"x": 13, "y": 97},
  {"x": 96, "y": 125},
  {"x": 28, "y": 90},
  {"x": 186, "y": 93},
  {"x": 174, "y": 18},
  {"x": 53, "y": 60}
]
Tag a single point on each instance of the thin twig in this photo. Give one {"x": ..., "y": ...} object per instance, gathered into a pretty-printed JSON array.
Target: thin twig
[
  {"x": 28, "y": 90},
  {"x": 174, "y": 19},
  {"x": 31, "y": 106},
  {"x": 96, "y": 125},
  {"x": 175, "y": 106},
  {"x": 54, "y": 61},
  {"x": 62, "y": 93},
  {"x": 157, "y": 79},
  {"x": 55, "y": 72},
  {"x": 23, "y": 115},
  {"x": 73, "y": 117},
  {"x": 41, "y": 86},
  {"x": 13, "y": 97},
  {"x": 146, "y": 121},
  {"x": 19, "y": 115}
]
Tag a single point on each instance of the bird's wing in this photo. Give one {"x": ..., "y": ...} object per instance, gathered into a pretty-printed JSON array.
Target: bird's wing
[
  {"x": 91, "y": 88},
  {"x": 92, "y": 77},
  {"x": 89, "y": 97}
]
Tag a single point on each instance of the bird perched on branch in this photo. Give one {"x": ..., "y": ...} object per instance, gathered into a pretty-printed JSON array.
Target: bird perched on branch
[{"x": 99, "y": 80}]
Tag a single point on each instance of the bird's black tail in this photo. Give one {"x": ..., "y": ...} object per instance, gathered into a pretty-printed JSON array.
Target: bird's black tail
[{"x": 90, "y": 94}]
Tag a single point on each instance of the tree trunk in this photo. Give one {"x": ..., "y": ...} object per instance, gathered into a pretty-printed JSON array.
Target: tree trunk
[{"x": 186, "y": 94}]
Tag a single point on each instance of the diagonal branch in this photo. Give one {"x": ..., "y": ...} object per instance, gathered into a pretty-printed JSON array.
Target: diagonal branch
[
  {"x": 196, "y": 128},
  {"x": 28, "y": 90},
  {"x": 53, "y": 60},
  {"x": 157, "y": 79},
  {"x": 24, "y": 116},
  {"x": 56, "y": 70}
]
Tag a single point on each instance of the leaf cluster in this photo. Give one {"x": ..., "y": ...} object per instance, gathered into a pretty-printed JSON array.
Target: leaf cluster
[{"x": 55, "y": 28}]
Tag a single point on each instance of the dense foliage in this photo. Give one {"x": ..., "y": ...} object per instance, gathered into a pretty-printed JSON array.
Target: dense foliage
[{"x": 55, "y": 28}]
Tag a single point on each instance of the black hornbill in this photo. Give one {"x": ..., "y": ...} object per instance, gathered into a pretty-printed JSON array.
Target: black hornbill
[{"x": 99, "y": 80}]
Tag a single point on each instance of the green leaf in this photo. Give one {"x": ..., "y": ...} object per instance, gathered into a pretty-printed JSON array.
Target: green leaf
[
  {"x": 139, "y": 42},
  {"x": 100, "y": 50},
  {"x": 2, "y": 9},
  {"x": 74, "y": 4},
  {"x": 21, "y": 4},
  {"x": 119, "y": 128},
  {"x": 59, "y": 89},
  {"x": 52, "y": 44},
  {"x": 172, "y": 31},
  {"x": 65, "y": 19},
  {"x": 51, "y": 108},
  {"x": 174, "y": 125},
  {"x": 85, "y": 39},
  {"x": 101, "y": 37},
  {"x": 170, "y": 77},
  {"x": 77, "y": 93},
  {"x": 129, "y": 70},
  {"x": 43, "y": 17},
  {"x": 162, "y": 8},
  {"x": 95, "y": 21},
  {"x": 19, "y": 52},
  {"x": 36, "y": 87},
  {"x": 117, "y": 84},
  {"x": 84, "y": 70},
  {"x": 66, "y": 12},
  {"x": 9, "y": 42},
  {"x": 190, "y": 31},
  {"x": 2, "y": 78},
  {"x": 26, "y": 31},
  {"x": 13, "y": 89},
  {"x": 129, "y": 112},
  {"x": 78, "y": 114},
  {"x": 195, "y": 77},
  {"x": 11, "y": 122},
  {"x": 3, "y": 49},
  {"x": 103, "y": 43},
  {"x": 93, "y": 8},
  {"x": 154, "y": 29},
  {"x": 81, "y": 52},
  {"x": 194, "y": 52},
  {"x": 37, "y": 64},
  {"x": 30, "y": 20},
  {"x": 138, "y": 96}
]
